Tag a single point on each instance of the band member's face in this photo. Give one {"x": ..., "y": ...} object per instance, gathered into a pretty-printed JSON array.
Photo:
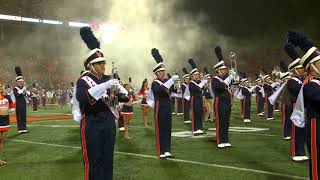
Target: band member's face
[
  {"x": 260, "y": 83},
  {"x": 196, "y": 76},
  {"x": 20, "y": 83},
  {"x": 99, "y": 67},
  {"x": 313, "y": 71},
  {"x": 161, "y": 74},
  {"x": 186, "y": 80},
  {"x": 269, "y": 80},
  {"x": 302, "y": 72},
  {"x": 222, "y": 72}
]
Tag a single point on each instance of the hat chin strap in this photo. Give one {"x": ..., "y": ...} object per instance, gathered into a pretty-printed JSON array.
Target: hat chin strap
[
  {"x": 295, "y": 70},
  {"x": 92, "y": 69},
  {"x": 315, "y": 68}
]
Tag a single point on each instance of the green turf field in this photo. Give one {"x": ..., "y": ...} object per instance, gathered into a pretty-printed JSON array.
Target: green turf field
[{"x": 51, "y": 151}]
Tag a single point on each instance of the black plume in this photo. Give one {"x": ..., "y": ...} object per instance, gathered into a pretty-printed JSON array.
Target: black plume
[
  {"x": 291, "y": 51},
  {"x": 34, "y": 85},
  {"x": 299, "y": 39},
  {"x": 156, "y": 55},
  {"x": 191, "y": 62},
  {"x": 205, "y": 69},
  {"x": 18, "y": 70},
  {"x": 185, "y": 71},
  {"x": 88, "y": 37},
  {"x": 81, "y": 72},
  {"x": 72, "y": 84},
  {"x": 283, "y": 66},
  {"x": 169, "y": 76},
  {"x": 130, "y": 80},
  {"x": 218, "y": 52}
]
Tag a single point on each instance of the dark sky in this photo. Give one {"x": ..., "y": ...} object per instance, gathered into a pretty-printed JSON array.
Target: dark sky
[{"x": 255, "y": 19}]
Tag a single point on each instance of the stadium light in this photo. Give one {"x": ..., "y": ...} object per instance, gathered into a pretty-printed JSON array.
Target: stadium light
[
  {"x": 30, "y": 20},
  {"x": 78, "y": 24},
  {"x": 46, "y": 21},
  {"x": 9, "y": 17}
]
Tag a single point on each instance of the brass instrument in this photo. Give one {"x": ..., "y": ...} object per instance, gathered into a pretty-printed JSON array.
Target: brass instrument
[
  {"x": 114, "y": 103},
  {"x": 177, "y": 85},
  {"x": 233, "y": 65}
]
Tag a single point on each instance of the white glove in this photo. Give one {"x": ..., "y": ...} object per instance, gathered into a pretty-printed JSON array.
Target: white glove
[
  {"x": 175, "y": 77},
  {"x": 203, "y": 82},
  {"x": 232, "y": 73},
  {"x": 99, "y": 90},
  {"x": 111, "y": 82}
]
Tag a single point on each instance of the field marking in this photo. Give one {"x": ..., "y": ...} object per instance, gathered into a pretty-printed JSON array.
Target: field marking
[
  {"x": 175, "y": 160},
  {"x": 138, "y": 127}
]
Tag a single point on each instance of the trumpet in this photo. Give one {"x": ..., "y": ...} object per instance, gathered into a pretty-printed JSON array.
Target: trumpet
[
  {"x": 114, "y": 90},
  {"x": 177, "y": 85},
  {"x": 233, "y": 65}
]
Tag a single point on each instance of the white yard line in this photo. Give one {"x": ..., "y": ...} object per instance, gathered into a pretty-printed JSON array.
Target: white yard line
[
  {"x": 175, "y": 160},
  {"x": 177, "y": 130}
]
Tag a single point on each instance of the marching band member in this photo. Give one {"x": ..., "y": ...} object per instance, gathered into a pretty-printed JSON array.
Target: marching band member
[
  {"x": 309, "y": 99},
  {"x": 286, "y": 107},
  {"x": 259, "y": 96},
  {"x": 186, "y": 96},
  {"x": 160, "y": 92},
  {"x": 98, "y": 113},
  {"x": 247, "y": 93},
  {"x": 196, "y": 101},
  {"x": 268, "y": 90},
  {"x": 208, "y": 97},
  {"x": 20, "y": 94},
  {"x": 222, "y": 101},
  {"x": 294, "y": 84}
]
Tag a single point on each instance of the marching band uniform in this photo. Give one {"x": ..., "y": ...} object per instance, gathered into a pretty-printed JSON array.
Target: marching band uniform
[
  {"x": 222, "y": 102},
  {"x": 294, "y": 84},
  {"x": 161, "y": 88},
  {"x": 98, "y": 117},
  {"x": 310, "y": 95},
  {"x": 20, "y": 93},
  {"x": 246, "y": 92},
  {"x": 185, "y": 99},
  {"x": 196, "y": 101},
  {"x": 286, "y": 106},
  {"x": 259, "y": 98},
  {"x": 268, "y": 90}
]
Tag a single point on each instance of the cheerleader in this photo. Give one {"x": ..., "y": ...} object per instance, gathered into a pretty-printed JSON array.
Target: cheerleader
[
  {"x": 6, "y": 106},
  {"x": 127, "y": 111},
  {"x": 144, "y": 106}
]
